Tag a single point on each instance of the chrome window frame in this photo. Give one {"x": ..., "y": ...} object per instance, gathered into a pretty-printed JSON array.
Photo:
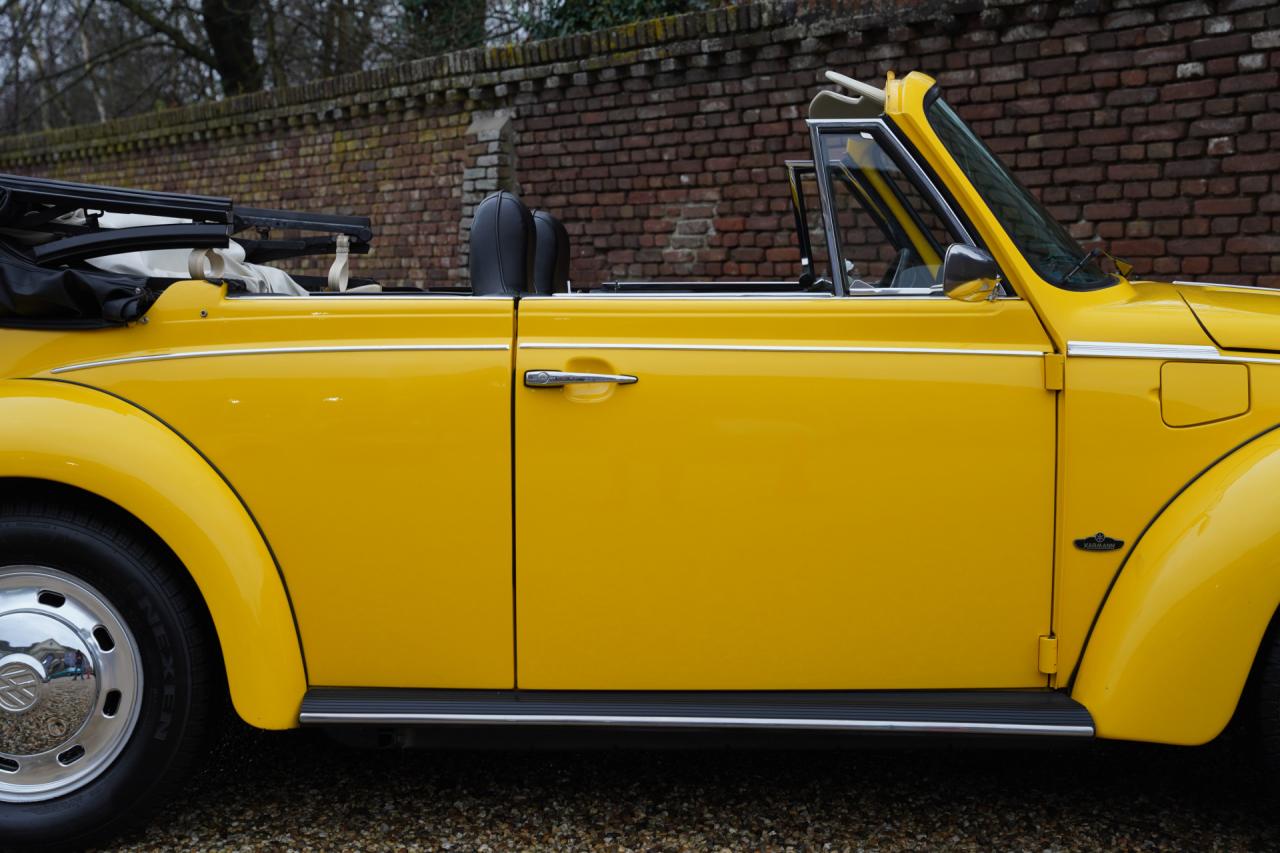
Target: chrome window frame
[
  {"x": 797, "y": 171},
  {"x": 884, "y": 135}
]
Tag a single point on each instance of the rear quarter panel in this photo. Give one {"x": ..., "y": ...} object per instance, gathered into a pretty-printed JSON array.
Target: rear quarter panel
[{"x": 370, "y": 437}]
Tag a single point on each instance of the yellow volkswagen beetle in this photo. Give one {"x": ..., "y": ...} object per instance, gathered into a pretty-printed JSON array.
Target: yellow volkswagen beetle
[{"x": 958, "y": 476}]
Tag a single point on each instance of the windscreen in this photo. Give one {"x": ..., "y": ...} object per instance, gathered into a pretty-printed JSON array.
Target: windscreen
[{"x": 1046, "y": 245}]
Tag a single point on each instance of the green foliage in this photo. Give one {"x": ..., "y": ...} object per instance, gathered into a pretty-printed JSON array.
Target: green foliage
[{"x": 565, "y": 17}]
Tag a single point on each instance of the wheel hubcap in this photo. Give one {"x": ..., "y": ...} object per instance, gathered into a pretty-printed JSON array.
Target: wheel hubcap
[
  {"x": 70, "y": 683},
  {"x": 20, "y": 683}
]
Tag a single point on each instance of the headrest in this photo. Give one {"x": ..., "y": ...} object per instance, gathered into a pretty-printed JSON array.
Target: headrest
[
  {"x": 501, "y": 246},
  {"x": 551, "y": 259}
]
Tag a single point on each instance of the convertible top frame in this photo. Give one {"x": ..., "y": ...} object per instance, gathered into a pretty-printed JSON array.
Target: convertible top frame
[{"x": 31, "y": 207}]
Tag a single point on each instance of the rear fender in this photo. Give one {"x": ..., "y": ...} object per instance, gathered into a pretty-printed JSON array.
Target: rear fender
[
  {"x": 1171, "y": 650},
  {"x": 70, "y": 434}
]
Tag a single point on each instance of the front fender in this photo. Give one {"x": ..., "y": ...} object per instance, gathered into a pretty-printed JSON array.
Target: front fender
[
  {"x": 1174, "y": 643},
  {"x": 80, "y": 437}
]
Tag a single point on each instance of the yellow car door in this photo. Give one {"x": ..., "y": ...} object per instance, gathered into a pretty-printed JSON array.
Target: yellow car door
[{"x": 789, "y": 490}]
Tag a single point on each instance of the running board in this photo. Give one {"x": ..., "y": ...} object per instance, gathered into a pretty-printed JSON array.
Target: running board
[{"x": 954, "y": 712}]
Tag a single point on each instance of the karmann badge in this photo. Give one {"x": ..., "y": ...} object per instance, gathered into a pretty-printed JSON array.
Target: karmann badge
[{"x": 1099, "y": 542}]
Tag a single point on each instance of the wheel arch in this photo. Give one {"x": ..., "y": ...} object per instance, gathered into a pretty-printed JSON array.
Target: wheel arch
[
  {"x": 78, "y": 440},
  {"x": 14, "y": 489},
  {"x": 1178, "y": 634}
]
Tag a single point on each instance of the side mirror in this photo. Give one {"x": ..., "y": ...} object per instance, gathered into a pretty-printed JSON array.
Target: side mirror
[{"x": 969, "y": 274}]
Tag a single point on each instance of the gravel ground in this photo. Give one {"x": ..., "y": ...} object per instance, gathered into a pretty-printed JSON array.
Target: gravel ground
[{"x": 299, "y": 790}]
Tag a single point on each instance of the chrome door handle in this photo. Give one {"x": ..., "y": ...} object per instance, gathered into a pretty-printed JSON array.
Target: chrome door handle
[{"x": 560, "y": 378}]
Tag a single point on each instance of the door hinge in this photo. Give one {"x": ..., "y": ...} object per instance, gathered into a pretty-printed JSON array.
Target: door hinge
[
  {"x": 1055, "y": 371},
  {"x": 1048, "y": 655}
]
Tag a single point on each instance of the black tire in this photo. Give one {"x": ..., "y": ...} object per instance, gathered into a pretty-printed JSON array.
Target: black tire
[
  {"x": 1266, "y": 704},
  {"x": 182, "y": 691}
]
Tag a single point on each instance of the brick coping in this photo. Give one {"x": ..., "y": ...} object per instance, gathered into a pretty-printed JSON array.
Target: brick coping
[{"x": 481, "y": 75}]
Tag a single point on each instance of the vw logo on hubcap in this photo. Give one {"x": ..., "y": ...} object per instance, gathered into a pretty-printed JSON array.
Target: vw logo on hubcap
[{"x": 19, "y": 687}]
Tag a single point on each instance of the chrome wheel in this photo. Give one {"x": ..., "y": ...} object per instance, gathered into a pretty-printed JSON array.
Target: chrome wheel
[{"x": 70, "y": 683}]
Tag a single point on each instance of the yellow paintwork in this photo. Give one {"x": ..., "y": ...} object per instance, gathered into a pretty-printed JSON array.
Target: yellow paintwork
[
  {"x": 753, "y": 520},
  {"x": 1119, "y": 463},
  {"x": 1175, "y": 642},
  {"x": 782, "y": 501},
  {"x": 977, "y": 290},
  {"x": 1194, "y": 393},
  {"x": 1128, "y": 463},
  {"x": 381, "y": 479},
  {"x": 80, "y": 437},
  {"x": 1236, "y": 318}
]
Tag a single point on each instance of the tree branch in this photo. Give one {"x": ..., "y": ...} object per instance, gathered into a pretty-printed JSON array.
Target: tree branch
[{"x": 169, "y": 31}]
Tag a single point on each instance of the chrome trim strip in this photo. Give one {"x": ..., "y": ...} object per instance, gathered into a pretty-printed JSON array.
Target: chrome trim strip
[
  {"x": 705, "y": 282},
  {"x": 674, "y": 294},
  {"x": 901, "y": 294},
  {"x": 1253, "y": 288},
  {"x": 695, "y": 722},
  {"x": 1162, "y": 352},
  {"x": 380, "y": 297},
  {"x": 767, "y": 348},
  {"x": 173, "y": 356},
  {"x": 1109, "y": 349}
]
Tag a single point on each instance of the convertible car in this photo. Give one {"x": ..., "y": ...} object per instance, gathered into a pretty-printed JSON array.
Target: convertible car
[{"x": 959, "y": 476}]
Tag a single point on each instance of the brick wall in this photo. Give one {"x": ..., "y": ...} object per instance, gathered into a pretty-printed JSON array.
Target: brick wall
[{"x": 1152, "y": 126}]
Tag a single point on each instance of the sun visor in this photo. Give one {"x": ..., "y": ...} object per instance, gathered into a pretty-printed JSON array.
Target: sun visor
[{"x": 857, "y": 100}]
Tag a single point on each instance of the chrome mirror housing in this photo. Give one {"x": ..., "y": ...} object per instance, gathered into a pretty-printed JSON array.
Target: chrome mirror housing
[{"x": 969, "y": 274}]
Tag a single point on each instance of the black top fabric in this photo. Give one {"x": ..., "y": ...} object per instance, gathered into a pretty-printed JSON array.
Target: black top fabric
[
  {"x": 32, "y": 295},
  {"x": 501, "y": 246},
  {"x": 551, "y": 259}
]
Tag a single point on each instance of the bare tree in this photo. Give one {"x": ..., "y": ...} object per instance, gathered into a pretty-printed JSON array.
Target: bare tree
[
  {"x": 76, "y": 61},
  {"x": 229, "y": 26}
]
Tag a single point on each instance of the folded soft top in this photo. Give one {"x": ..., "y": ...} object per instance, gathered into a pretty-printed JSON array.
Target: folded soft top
[
  {"x": 88, "y": 255},
  {"x": 32, "y": 295}
]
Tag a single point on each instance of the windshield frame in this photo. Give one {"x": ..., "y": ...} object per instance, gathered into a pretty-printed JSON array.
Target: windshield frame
[{"x": 1046, "y": 246}]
